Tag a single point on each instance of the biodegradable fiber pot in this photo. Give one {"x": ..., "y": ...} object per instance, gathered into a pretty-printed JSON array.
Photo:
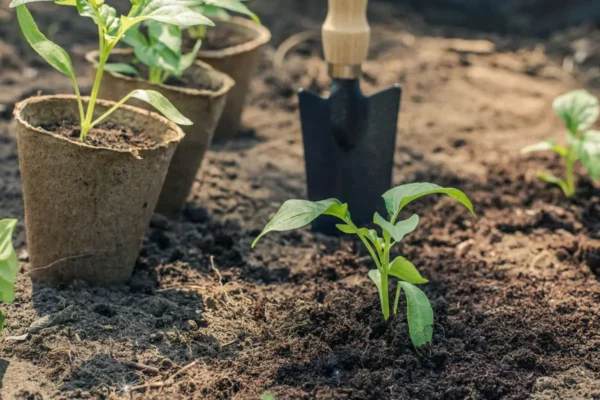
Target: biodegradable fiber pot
[
  {"x": 202, "y": 102},
  {"x": 239, "y": 62},
  {"x": 87, "y": 208}
]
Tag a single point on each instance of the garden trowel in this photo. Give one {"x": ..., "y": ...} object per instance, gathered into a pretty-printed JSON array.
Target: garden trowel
[{"x": 349, "y": 138}]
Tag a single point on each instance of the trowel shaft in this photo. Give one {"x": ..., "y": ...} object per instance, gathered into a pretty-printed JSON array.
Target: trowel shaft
[{"x": 346, "y": 36}]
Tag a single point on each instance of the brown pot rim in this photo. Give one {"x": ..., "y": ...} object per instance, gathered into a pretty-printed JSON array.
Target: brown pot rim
[
  {"x": 226, "y": 81},
  {"x": 134, "y": 151},
  {"x": 263, "y": 36}
]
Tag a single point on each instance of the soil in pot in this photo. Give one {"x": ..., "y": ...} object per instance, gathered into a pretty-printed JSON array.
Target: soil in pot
[
  {"x": 234, "y": 47},
  {"x": 200, "y": 95},
  {"x": 87, "y": 204},
  {"x": 106, "y": 134},
  {"x": 218, "y": 39}
]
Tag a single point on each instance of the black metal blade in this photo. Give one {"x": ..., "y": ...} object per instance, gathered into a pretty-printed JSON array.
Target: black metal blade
[{"x": 349, "y": 143}]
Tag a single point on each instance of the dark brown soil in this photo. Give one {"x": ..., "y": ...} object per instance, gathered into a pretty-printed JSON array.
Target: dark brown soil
[
  {"x": 219, "y": 38},
  {"x": 107, "y": 135},
  {"x": 516, "y": 298}
]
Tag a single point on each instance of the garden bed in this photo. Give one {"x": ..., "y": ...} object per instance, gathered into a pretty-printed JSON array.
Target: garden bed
[{"x": 516, "y": 299}]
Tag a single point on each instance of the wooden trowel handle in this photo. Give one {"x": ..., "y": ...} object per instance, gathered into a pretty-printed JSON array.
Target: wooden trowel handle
[{"x": 346, "y": 35}]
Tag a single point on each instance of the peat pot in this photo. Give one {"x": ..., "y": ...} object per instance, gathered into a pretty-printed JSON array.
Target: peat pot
[
  {"x": 238, "y": 60},
  {"x": 200, "y": 95},
  {"x": 88, "y": 204}
]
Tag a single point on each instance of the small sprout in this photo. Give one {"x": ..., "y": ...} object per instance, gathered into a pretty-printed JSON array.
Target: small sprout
[
  {"x": 579, "y": 110},
  {"x": 295, "y": 214},
  {"x": 9, "y": 265},
  {"x": 111, "y": 29}
]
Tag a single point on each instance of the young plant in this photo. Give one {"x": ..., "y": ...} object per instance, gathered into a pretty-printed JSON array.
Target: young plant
[
  {"x": 9, "y": 265},
  {"x": 295, "y": 214},
  {"x": 111, "y": 29},
  {"x": 160, "y": 49},
  {"x": 219, "y": 9},
  {"x": 579, "y": 110}
]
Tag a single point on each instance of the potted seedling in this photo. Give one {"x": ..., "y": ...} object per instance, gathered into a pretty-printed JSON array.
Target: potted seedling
[
  {"x": 9, "y": 265},
  {"x": 156, "y": 62},
  {"x": 295, "y": 214},
  {"x": 579, "y": 110},
  {"x": 92, "y": 169},
  {"x": 233, "y": 47}
]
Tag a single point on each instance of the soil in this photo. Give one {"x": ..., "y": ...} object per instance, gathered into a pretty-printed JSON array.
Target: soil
[
  {"x": 220, "y": 38},
  {"x": 107, "y": 135},
  {"x": 516, "y": 293}
]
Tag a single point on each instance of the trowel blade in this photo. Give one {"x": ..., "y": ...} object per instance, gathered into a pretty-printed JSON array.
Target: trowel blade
[{"x": 349, "y": 142}]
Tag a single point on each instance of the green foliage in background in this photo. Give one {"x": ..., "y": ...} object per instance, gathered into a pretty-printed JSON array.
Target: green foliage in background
[{"x": 579, "y": 110}]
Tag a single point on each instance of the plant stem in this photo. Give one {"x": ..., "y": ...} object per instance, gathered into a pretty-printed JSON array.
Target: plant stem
[
  {"x": 385, "y": 297},
  {"x": 197, "y": 32},
  {"x": 105, "y": 50},
  {"x": 397, "y": 299},
  {"x": 112, "y": 109},
  {"x": 87, "y": 123},
  {"x": 570, "y": 178}
]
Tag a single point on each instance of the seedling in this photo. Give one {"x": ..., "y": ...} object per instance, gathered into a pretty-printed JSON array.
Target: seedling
[
  {"x": 579, "y": 110},
  {"x": 160, "y": 49},
  {"x": 295, "y": 214},
  {"x": 9, "y": 265},
  {"x": 219, "y": 9},
  {"x": 159, "y": 46},
  {"x": 111, "y": 29}
]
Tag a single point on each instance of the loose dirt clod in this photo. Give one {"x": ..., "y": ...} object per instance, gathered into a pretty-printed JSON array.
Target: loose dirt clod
[{"x": 57, "y": 318}]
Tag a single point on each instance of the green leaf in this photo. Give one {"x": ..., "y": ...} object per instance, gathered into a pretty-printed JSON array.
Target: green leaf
[
  {"x": 403, "y": 269},
  {"x": 550, "y": 178},
  {"x": 162, "y": 104},
  {"x": 107, "y": 15},
  {"x": 545, "y": 146},
  {"x": 17, "y": 3},
  {"x": 419, "y": 315},
  {"x": 122, "y": 68},
  {"x": 232, "y": 5},
  {"x": 399, "y": 230},
  {"x": 398, "y": 197},
  {"x": 375, "y": 276},
  {"x": 267, "y": 396},
  {"x": 162, "y": 49},
  {"x": 213, "y": 12},
  {"x": 348, "y": 229},
  {"x": 2, "y": 321},
  {"x": 54, "y": 55},
  {"x": 372, "y": 234},
  {"x": 9, "y": 264},
  {"x": 188, "y": 59},
  {"x": 168, "y": 35},
  {"x": 175, "y": 12},
  {"x": 295, "y": 214},
  {"x": 578, "y": 109},
  {"x": 134, "y": 37},
  {"x": 110, "y": 20},
  {"x": 589, "y": 153}
]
